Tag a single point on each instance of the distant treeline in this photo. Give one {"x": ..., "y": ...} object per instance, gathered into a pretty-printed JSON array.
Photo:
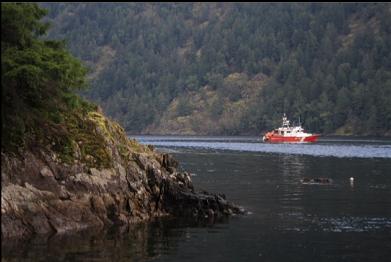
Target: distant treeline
[{"x": 234, "y": 68}]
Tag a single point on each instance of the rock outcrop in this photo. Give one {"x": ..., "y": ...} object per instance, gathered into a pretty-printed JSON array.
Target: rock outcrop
[{"x": 120, "y": 182}]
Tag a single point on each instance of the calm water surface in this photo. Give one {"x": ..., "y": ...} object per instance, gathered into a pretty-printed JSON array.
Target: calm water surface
[{"x": 286, "y": 220}]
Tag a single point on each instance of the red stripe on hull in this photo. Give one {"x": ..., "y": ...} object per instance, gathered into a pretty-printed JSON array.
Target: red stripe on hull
[
  {"x": 292, "y": 139},
  {"x": 311, "y": 139}
]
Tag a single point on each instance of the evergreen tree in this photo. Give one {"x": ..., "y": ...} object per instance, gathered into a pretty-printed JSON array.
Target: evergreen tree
[{"x": 36, "y": 75}]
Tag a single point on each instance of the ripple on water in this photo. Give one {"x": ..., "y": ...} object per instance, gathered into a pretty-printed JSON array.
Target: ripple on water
[
  {"x": 355, "y": 224},
  {"x": 339, "y": 224}
]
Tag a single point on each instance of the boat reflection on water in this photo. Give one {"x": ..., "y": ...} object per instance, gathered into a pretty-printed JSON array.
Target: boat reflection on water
[
  {"x": 292, "y": 170},
  {"x": 293, "y": 166}
]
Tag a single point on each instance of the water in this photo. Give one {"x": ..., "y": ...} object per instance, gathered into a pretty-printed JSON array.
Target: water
[
  {"x": 326, "y": 147},
  {"x": 286, "y": 220}
]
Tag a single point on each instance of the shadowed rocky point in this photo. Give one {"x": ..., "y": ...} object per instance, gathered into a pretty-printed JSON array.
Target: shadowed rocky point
[{"x": 120, "y": 182}]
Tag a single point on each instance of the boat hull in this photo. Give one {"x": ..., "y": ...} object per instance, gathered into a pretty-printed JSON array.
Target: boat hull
[{"x": 291, "y": 139}]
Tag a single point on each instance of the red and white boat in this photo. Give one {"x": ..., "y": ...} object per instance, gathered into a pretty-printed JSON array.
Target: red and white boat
[{"x": 289, "y": 134}]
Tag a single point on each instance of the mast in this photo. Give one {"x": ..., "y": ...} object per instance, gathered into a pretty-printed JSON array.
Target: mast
[{"x": 285, "y": 121}]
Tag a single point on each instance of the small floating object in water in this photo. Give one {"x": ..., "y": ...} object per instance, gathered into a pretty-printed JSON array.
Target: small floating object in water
[
  {"x": 316, "y": 181},
  {"x": 351, "y": 181}
]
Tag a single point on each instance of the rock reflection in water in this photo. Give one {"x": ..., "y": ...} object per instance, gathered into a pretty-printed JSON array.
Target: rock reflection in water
[{"x": 139, "y": 242}]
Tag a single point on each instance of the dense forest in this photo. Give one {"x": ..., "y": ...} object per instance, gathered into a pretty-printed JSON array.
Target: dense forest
[{"x": 234, "y": 68}]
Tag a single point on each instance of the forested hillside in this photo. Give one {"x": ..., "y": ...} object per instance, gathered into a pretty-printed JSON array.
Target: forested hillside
[{"x": 234, "y": 68}]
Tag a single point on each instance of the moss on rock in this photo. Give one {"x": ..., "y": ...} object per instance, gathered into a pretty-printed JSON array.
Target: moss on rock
[{"x": 92, "y": 139}]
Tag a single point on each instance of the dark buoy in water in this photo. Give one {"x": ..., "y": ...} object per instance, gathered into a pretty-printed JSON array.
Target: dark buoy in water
[{"x": 316, "y": 181}]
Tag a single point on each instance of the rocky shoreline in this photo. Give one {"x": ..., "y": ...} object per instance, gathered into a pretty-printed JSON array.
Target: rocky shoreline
[{"x": 41, "y": 194}]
